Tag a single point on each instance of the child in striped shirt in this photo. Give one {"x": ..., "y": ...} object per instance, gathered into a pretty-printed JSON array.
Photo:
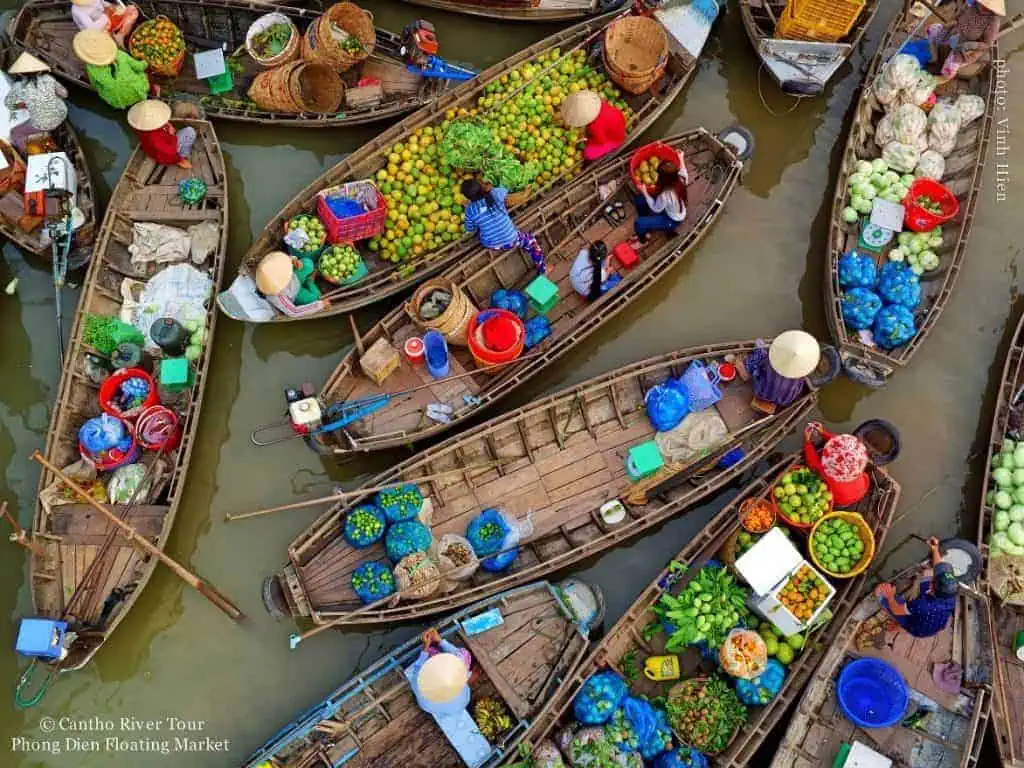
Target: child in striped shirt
[{"x": 487, "y": 215}]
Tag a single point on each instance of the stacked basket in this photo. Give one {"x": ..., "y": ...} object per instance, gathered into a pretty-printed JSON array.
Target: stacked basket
[
  {"x": 263, "y": 23},
  {"x": 321, "y": 45},
  {"x": 635, "y": 52},
  {"x": 453, "y": 323},
  {"x": 298, "y": 86}
]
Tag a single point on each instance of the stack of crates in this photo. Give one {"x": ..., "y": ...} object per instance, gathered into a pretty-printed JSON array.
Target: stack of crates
[{"x": 819, "y": 21}]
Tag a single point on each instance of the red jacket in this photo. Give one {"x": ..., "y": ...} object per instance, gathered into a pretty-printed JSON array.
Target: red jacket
[
  {"x": 161, "y": 144},
  {"x": 609, "y": 127}
]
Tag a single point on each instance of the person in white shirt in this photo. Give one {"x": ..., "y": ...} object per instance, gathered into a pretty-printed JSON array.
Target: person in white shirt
[
  {"x": 665, "y": 210},
  {"x": 589, "y": 271}
]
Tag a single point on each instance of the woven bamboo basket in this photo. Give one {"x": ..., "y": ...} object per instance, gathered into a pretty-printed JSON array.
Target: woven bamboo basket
[
  {"x": 454, "y": 321},
  {"x": 290, "y": 51},
  {"x": 298, "y": 86},
  {"x": 319, "y": 44},
  {"x": 635, "y": 52}
]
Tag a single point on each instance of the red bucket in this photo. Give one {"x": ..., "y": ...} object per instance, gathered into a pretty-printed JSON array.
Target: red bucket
[
  {"x": 157, "y": 429},
  {"x": 485, "y": 356},
  {"x": 654, "y": 149},
  {"x": 113, "y": 383},
  {"x": 920, "y": 220},
  {"x": 113, "y": 458}
]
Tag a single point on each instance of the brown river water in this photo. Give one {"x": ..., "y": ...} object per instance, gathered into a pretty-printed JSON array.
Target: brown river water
[{"x": 179, "y": 661}]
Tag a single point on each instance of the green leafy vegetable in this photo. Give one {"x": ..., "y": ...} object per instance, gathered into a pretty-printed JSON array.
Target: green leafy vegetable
[{"x": 710, "y": 605}]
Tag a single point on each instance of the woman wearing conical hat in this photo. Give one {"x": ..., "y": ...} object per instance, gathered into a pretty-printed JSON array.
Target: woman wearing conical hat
[
  {"x": 968, "y": 36},
  {"x": 118, "y": 19},
  {"x": 119, "y": 79},
  {"x": 151, "y": 120},
  {"x": 440, "y": 676},
  {"x": 605, "y": 124},
  {"x": 778, "y": 371},
  {"x": 35, "y": 90}
]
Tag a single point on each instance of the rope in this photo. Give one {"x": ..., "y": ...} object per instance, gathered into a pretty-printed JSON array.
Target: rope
[
  {"x": 772, "y": 112},
  {"x": 20, "y": 701}
]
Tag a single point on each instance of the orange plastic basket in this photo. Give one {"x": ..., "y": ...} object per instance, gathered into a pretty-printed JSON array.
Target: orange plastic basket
[
  {"x": 867, "y": 537},
  {"x": 822, "y": 21}
]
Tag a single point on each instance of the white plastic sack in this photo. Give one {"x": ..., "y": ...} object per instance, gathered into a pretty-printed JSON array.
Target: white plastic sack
[
  {"x": 453, "y": 568},
  {"x": 921, "y": 90},
  {"x": 158, "y": 243},
  {"x": 902, "y": 71},
  {"x": 970, "y": 107},
  {"x": 698, "y": 432},
  {"x": 943, "y": 124},
  {"x": 204, "y": 238},
  {"x": 180, "y": 291},
  {"x": 931, "y": 165},
  {"x": 883, "y": 131},
  {"x": 908, "y": 123},
  {"x": 943, "y": 145},
  {"x": 885, "y": 91},
  {"x": 900, "y": 157}
]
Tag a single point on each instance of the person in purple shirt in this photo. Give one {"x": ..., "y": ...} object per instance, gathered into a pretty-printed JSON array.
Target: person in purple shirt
[{"x": 928, "y": 613}]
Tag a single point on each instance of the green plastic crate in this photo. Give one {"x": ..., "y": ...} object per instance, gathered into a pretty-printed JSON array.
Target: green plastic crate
[{"x": 542, "y": 294}]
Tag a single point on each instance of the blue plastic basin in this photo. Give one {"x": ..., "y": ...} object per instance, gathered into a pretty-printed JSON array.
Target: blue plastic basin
[{"x": 872, "y": 693}]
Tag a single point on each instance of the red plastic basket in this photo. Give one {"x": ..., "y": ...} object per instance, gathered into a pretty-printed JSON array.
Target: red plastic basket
[
  {"x": 353, "y": 228},
  {"x": 920, "y": 220},
  {"x": 654, "y": 149},
  {"x": 486, "y": 357},
  {"x": 801, "y": 527},
  {"x": 110, "y": 386}
]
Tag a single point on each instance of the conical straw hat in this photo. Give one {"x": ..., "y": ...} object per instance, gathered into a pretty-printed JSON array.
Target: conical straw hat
[
  {"x": 442, "y": 678},
  {"x": 94, "y": 46},
  {"x": 27, "y": 64},
  {"x": 273, "y": 273},
  {"x": 998, "y": 7},
  {"x": 581, "y": 108},
  {"x": 148, "y": 115},
  {"x": 794, "y": 354}
]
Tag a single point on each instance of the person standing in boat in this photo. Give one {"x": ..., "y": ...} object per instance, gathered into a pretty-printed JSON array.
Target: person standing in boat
[
  {"x": 440, "y": 676},
  {"x": 605, "y": 124},
  {"x": 777, "y": 371},
  {"x": 928, "y": 613},
  {"x": 487, "y": 215},
  {"x": 119, "y": 79},
  {"x": 118, "y": 19},
  {"x": 665, "y": 210},
  {"x": 40, "y": 94},
  {"x": 151, "y": 120},
  {"x": 967, "y": 37}
]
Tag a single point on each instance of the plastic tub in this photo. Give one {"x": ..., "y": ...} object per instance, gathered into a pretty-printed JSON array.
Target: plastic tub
[
  {"x": 435, "y": 349},
  {"x": 920, "y": 220},
  {"x": 802, "y": 527},
  {"x": 654, "y": 149},
  {"x": 115, "y": 459},
  {"x": 415, "y": 351},
  {"x": 872, "y": 693},
  {"x": 111, "y": 385},
  {"x": 866, "y": 536},
  {"x": 158, "y": 429},
  {"x": 486, "y": 357}
]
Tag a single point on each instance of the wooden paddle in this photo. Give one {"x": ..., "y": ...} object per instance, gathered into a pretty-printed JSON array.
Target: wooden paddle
[{"x": 205, "y": 589}]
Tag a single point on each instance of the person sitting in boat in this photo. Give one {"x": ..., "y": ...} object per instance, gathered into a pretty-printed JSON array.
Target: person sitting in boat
[
  {"x": 606, "y": 125},
  {"x": 117, "y": 19},
  {"x": 589, "y": 272},
  {"x": 968, "y": 36},
  {"x": 151, "y": 120},
  {"x": 40, "y": 94},
  {"x": 440, "y": 676},
  {"x": 487, "y": 215},
  {"x": 777, "y": 371},
  {"x": 928, "y": 613},
  {"x": 665, "y": 210},
  {"x": 119, "y": 79},
  {"x": 289, "y": 284}
]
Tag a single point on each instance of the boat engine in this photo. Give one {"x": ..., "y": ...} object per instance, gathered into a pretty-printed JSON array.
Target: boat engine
[
  {"x": 304, "y": 412},
  {"x": 419, "y": 43}
]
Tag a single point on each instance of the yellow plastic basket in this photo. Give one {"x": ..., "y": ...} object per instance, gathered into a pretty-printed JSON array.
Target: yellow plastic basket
[
  {"x": 822, "y": 21},
  {"x": 867, "y": 536}
]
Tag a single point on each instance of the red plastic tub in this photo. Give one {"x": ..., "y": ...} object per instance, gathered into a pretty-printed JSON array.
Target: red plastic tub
[
  {"x": 157, "y": 429},
  {"x": 654, "y": 149},
  {"x": 110, "y": 386},
  {"x": 917, "y": 218},
  {"x": 113, "y": 458},
  {"x": 481, "y": 353}
]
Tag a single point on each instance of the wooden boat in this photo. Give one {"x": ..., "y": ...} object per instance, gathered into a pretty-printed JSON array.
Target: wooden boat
[
  {"x": 1007, "y": 620},
  {"x": 45, "y": 28},
  {"x": 524, "y": 10},
  {"x": 70, "y": 537},
  {"x": 373, "y": 718},
  {"x": 950, "y": 734},
  {"x": 799, "y": 67},
  {"x": 563, "y": 224},
  {"x": 32, "y": 242},
  {"x": 559, "y": 458},
  {"x": 867, "y": 363},
  {"x": 386, "y": 279},
  {"x": 629, "y": 643}
]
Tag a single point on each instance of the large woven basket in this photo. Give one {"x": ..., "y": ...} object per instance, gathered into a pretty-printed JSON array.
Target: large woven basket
[
  {"x": 454, "y": 321},
  {"x": 290, "y": 51},
  {"x": 635, "y": 52},
  {"x": 298, "y": 86},
  {"x": 319, "y": 44}
]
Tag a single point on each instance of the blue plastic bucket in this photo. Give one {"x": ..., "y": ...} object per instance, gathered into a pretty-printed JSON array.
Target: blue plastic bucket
[
  {"x": 436, "y": 350},
  {"x": 871, "y": 693}
]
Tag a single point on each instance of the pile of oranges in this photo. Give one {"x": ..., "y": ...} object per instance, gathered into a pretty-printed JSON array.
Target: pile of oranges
[
  {"x": 804, "y": 593},
  {"x": 159, "y": 43}
]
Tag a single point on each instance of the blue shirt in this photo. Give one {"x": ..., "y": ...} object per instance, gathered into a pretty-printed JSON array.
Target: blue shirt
[
  {"x": 929, "y": 614},
  {"x": 450, "y": 707},
  {"x": 493, "y": 223}
]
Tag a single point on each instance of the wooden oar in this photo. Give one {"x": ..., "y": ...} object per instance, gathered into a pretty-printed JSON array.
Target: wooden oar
[
  {"x": 18, "y": 536},
  {"x": 358, "y": 492},
  {"x": 204, "y": 588}
]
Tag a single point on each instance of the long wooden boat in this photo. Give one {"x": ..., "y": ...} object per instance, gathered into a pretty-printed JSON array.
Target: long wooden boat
[
  {"x": 524, "y": 10},
  {"x": 865, "y": 361},
  {"x": 45, "y": 28},
  {"x": 945, "y": 730},
  {"x": 566, "y": 222},
  {"x": 373, "y": 718},
  {"x": 1007, "y": 620},
  {"x": 629, "y": 642},
  {"x": 558, "y": 459},
  {"x": 72, "y": 556},
  {"x": 65, "y": 138},
  {"x": 387, "y": 279},
  {"x": 799, "y": 67}
]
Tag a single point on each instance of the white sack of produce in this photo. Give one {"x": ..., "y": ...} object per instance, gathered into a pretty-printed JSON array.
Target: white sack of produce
[
  {"x": 900, "y": 157},
  {"x": 903, "y": 71},
  {"x": 883, "y": 131},
  {"x": 943, "y": 127},
  {"x": 909, "y": 122},
  {"x": 885, "y": 91},
  {"x": 932, "y": 165},
  {"x": 920, "y": 91},
  {"x": 970, "y": 107}
]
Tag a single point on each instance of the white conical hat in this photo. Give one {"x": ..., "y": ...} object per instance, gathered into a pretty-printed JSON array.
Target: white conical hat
[
  {"x": 998, "y": 7},
  {"x": 27, "y": 64},
  {"x": 794, "y": 354},
  {"x": 273, "y": 273},
  {"x": 442, "y": 678},
  {"x": 581, "y": 108}
]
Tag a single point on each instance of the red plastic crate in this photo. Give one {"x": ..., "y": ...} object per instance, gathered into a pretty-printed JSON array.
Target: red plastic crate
[{"x": 353, "y": 228}]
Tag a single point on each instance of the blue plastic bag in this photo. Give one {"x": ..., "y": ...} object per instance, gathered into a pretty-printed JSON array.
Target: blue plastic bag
[
  {"x": 405, "y": 538},
  {"x": 364, "y": 526},
  {"x": 857, "y": 270},
  {"x": 763, "y": 688},
  {"x": 372, "y": 582},
  {"x": 894, "y": 325},
  {"x": 494, "y": 536},
  {"x": 666, "y": 406},
  {"x": 537, "y": 329},
  {"x": 101, "y": 433},
  {"x": 701, "y": 386},
  {"x": 344, "y": 207},
  {"x": 920, "y": 50},
  {"x": 897, "y": 284},
  {"x": 513, "y": 301},
  {"x": 859, "y": 307},
  {"x": 598, "y": 698},
  {"x": 660, "y": 739},
  {"x": 403, "y": 502},
  {"x": 681, "y": 757}
]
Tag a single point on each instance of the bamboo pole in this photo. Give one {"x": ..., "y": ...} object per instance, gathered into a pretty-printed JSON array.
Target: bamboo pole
[
  {"x": 358, "y": 492},
  {"x": 18, "y": 536},
  {"x": 204, "y": 588}
]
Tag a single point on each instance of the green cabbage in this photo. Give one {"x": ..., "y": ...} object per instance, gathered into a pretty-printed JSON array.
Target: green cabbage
[
  {"x": 1003, "y": 477},
  {"x": 1016, "y": 534},
  {"x": 1004, "y": 500},
  {"x": 1001, "y": 520},
  {"x": 1018, "y": 456},
  {"x": 1016, "y": 513},
  {"x": 1001, "y": 540}
]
